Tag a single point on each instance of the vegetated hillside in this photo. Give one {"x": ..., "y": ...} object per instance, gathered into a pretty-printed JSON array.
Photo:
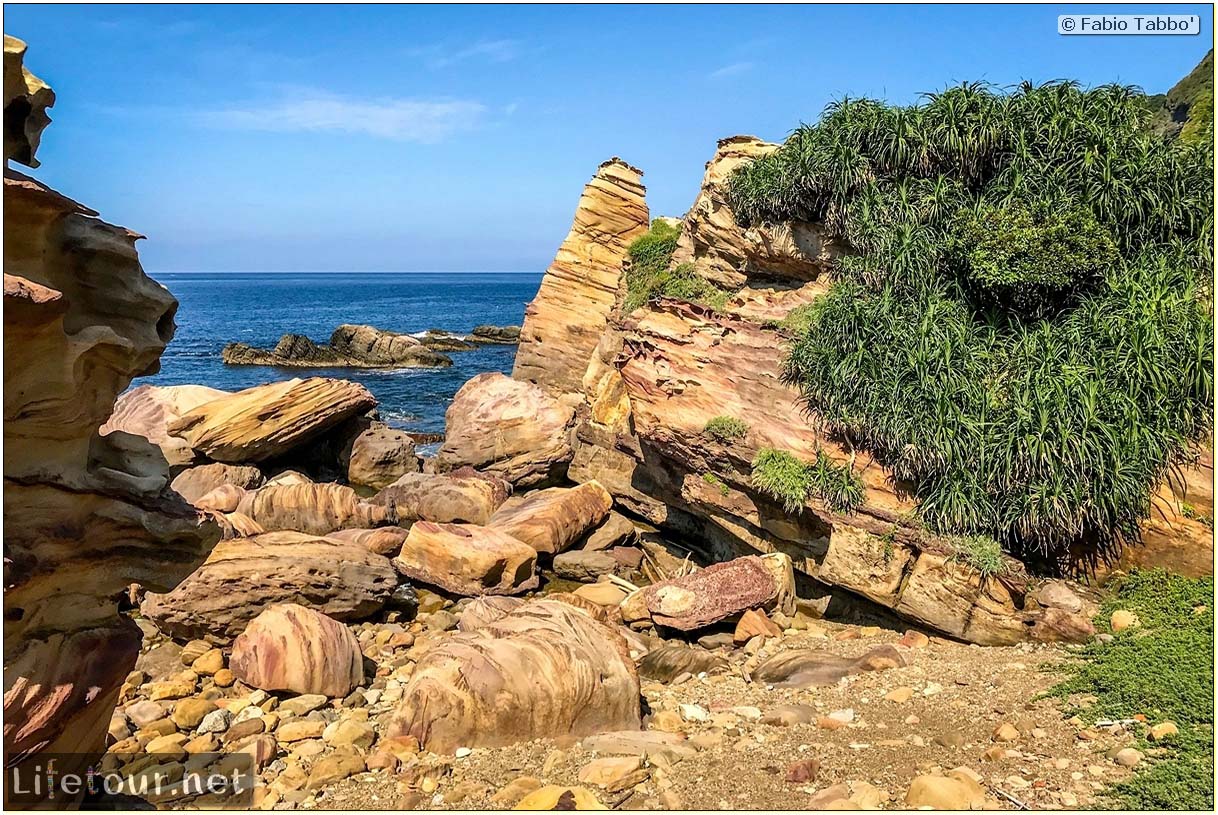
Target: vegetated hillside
[
  {"x": 1186, "y": 111},
  {"x": 1025, "y": 330}
]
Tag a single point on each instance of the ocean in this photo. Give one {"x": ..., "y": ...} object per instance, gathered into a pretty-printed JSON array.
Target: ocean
[{"x": 259, "y": 307}]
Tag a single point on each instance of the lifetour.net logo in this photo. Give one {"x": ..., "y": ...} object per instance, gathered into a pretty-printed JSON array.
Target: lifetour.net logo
[{"x": 65, "y": 780}]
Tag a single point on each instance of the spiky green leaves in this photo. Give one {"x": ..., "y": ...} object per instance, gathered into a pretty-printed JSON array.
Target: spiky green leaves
[{"x": 792, "y": 482}]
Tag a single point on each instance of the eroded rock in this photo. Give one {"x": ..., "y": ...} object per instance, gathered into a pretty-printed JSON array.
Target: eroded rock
[
  {"x": 553, "y": 519},
  {"x": 462, "y": 496},
  {"x": 292, "y": 648},
  {"x": 468, "y": 559}
]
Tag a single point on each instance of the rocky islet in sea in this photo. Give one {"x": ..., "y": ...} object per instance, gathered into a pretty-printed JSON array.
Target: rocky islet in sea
[{"x": 316, "y": 598}]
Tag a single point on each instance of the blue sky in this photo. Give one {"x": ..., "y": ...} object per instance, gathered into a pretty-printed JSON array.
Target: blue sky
[{"x": 458, "y": 138}]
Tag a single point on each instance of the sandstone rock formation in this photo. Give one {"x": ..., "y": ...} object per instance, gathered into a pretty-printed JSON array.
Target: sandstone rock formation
[
  {"x": 195, "y": 482},
  {"x": 149, "y": 410},
  {"x": 570, "y": 312},
  {"x": 350, "y": 346},
  {"x": 462, "y": 496},
  {"x": 316, "y": 509},
  {"x": 379, "y": 456},
  {"x": 340, "y": 579},
  {"x": 547, "y": 668},
  {"x": 84, "y": 515},
  {"x": 552, "y": 520},
  {"x": 467, "y": 559},
  {"x": 293, "y": 648},
  {"x": 727, "y": 254},
  {"x": 509, "y": 428},
  {"x": 717, "y": 592},
  {"x": 385, "y": 541},
  {"x": 806, "y": 668},
  {"x": 267, "y": 421}
]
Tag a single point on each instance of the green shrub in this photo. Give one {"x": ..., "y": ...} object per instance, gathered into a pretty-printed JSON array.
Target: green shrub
[
  {"x": 648, "y": 276},
  {"x": 726, "y": 429},
  {"x": 798, "y": 319},
  {"x": 792, "y": 482},
  {"x": 981, "y": 553},
  {"x": 1190, "y": 512},
  {"x": 1024, "y": 331},
  {"x": 1164, "y": 670}
]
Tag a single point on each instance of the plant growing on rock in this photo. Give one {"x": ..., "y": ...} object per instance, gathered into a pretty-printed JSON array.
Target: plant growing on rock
[
  {"x": 785, "y": 478},
  {"x": 726, "y": 429},
  {"x": 1024, "y": 330},
  {"x": 648, "y": 276}
]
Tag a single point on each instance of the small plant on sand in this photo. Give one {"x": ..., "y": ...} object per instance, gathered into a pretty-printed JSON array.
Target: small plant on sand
[
  {"x": 726, "y": 429},
  {"x": 785, "y": 478},
  {"x": 1163, "y": 670},
  {"x": 1190, "y": 512}
]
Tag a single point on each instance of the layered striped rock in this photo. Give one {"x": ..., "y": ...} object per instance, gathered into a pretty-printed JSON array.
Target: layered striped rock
[
  {"x": 718, "y": 592},
  {"x": 463, "y": 496},
  {"x": 268, "y": 421},
  {"x": 292, "y": 648},
  {"x": 552, "y": 520},
  {"x": 317, "y": 509},
  {"x": 84, "y": 515},
  {"x": 546, "y": 669},
  {"x": 149, "y": 410},
  {"x": 467, "y": 559},
  {"x": 580, "y": 288},
  {"x": 244, "y": 576},
  {"x": 508, "y": 428}
]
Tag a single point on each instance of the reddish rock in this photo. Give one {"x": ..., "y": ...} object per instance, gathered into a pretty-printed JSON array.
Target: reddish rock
[
  {"x": 809, "y": 668},
  {"x": 292, "y": 648},
  {"x": 755, "y": 624},
  {"x": 721, "y": 590},
  {"x": 802, "y": 772}
]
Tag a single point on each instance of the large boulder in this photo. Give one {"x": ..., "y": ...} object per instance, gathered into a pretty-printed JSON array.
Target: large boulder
[
  {"x": 381, "y": 455},
  {"x": 716, "y": 593},
  {"x": 268, "y": 421},
  {"x": 551, "y": 520},
  {"x": 340, "y": 579},
  {"x": 467, "y": 559},
  {"x": 292, "y": 648},
  {"x": 317, "y": 509},
  {"x": 84, "y": 515},
  {"x": 195, "y": 482},
  {"x": 149, "y": 410},
  {"x": 579, "y": 291},
  {"x": 508, "y": 428},
  {"x": 547, "y": 669},
  {"x": 463, "y": 496}
]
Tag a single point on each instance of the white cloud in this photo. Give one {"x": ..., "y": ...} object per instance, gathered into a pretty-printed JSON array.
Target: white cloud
[
  {"x": 731, "y": 70},
  {"x": 388, "y": 118},
  {"x": 445, "y": 55}
]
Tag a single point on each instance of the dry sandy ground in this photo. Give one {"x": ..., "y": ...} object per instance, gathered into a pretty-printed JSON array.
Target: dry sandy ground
[{"x": 960, "y": 695}]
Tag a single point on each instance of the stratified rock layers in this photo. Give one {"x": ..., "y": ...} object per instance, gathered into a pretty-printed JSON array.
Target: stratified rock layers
[
  {"x": 84, "y": 515},
  {"x": 565, "y": 321}
]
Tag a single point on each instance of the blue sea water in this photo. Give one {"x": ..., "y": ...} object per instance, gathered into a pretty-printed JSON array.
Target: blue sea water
[{"x": 259, "y": 307}]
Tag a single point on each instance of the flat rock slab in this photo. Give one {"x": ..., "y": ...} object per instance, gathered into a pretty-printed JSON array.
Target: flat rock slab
[
  {"x": 670, "y": 746},
  {"x": 720, "y": 591},
  {"x": 468, "y": 559},
  {"x": 807, "y": 668},
  {"x": 670, "y": 660}
]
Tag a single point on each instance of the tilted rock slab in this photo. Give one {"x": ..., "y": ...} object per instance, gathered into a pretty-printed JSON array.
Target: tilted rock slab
[
  {"x": 195, "y": 482},
  {"x": 84, "y": 515},
  {"x": 149, "y": 410},
  {"x": 579, "y": 291},
  {"x": 317, "y": 509},
  {"x": 456, "y": 497},
  {"x": 293, "y": 648},
  {"x": 551, "y": 520},
  {"x": 385, "y": 541},
  {"x": 267, "y": 421},
  {"x": 467, "y": 559},
  {"x": 509, "y": 428},
  {"x": 546, "y": 670},
  {"x": 716, "y": 592},
  {"x": 340, "y": 579}
]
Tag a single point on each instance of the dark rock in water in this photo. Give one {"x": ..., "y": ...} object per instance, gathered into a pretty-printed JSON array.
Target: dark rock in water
[
  {"x": 808, "y": 668},
  {"x": 350, "y": 346},
  {"x": 439, "y": 340},
  {"x": 670, "y": 660},
  {"x": 495, "y": 334}
]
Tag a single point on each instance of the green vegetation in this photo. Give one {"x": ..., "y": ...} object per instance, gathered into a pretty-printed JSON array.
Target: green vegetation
[
  {"x": 1186, "y": 111},
  {"x": 785, "y": 478},
  {"x": 1165, "y": 671},
  {"x": 715, "y": 481},
  {"x": 726, "y": 429},
  {"x": 649, "y": 277},
  {"x": 982, "y": 553},
  {"x": 1190, "y": 512},
  {"x": 798, "y": 319},
  {"x": 1025, "y": 329}
]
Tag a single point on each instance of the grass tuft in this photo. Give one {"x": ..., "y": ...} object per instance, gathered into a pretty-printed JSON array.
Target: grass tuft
[
  {"x": 792, "y": 482},
  {"x": 649, "y": 276},
  {"x": 981, "y": 553},
  {"x": 726, "y": 429}
]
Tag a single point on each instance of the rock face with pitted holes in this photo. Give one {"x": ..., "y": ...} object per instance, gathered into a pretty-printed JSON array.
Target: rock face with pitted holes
[{"x": 85, "y": 515}]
